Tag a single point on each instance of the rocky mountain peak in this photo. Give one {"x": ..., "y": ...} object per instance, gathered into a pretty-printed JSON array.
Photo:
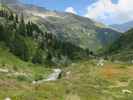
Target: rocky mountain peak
[{"x": 9, "y": 1}]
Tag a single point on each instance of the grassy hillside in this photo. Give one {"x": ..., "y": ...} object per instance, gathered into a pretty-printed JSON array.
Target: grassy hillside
[{"x": 15, "y": 65}]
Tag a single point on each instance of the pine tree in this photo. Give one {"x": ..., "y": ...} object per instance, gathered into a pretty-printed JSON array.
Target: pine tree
[
  {"x": 20, "y": 48},
  {"x": 29, "y": 28},
  {"x": 22, "y": 26},
  {"x": 16, "y": 19},
  {"x": 11, "y": 16},
  {"x": 38, "y": 57}
]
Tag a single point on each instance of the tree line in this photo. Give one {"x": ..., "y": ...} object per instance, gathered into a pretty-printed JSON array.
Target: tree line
[{"x": 14, "y": 30}]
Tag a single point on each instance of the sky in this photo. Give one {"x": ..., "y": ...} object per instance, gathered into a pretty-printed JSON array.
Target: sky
[{"x": 105, "y": 11}]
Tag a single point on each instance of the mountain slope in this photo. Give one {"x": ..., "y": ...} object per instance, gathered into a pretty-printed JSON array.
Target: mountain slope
[
  {"x": 78, "y": 30},
  {"x": 123, "y": 27},
  {"x": 26, "y": 40},
  {"x": 122, "y": 49},
  {"x": 9, "y": 1}
]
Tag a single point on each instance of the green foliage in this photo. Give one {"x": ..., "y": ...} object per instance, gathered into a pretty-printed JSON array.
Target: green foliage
[
  {"x": 13, "y": 33},
  {"x": 22, "y": 26},
  {"x": 19, "y": 48},
  {"x": 57, "y": 48},
  {"x": 122, "y": 48},
  {"x": 22, "y": 78},
  {"x": 38, "y": 77},
  {"x": 20, "y": 36},
  {"x": 39, "y": 57}
]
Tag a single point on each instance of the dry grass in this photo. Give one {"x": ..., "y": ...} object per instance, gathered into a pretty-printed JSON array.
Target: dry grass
[{"x": 111, "y": 71}]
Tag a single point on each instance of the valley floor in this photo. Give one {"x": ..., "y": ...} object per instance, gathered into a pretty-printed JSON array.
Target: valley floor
[{"x": 84, "y": 80}]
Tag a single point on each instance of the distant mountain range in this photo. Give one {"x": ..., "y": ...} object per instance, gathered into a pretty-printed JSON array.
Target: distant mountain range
[
  {"x": 123, "y": 27},
  {"x": 80, "y": 31}
]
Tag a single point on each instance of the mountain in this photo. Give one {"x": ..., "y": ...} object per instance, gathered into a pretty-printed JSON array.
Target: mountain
[
  {"x": 122, "y": 49},
  {"x": 9, "y": 1},
  {"x": 37, "y": 45},
  {"x": 28, "y": 41},
  {"x": 123, "y": 27},
  {"x": 80, "y": 31}
]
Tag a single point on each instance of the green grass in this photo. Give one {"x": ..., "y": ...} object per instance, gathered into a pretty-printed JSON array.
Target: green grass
[
  {"x": 85, "y": 81},
  {"x": 13, "y": 63}
]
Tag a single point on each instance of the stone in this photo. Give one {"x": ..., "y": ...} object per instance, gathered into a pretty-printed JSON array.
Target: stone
[
  {"x": 7, "y": 98},
  {"x": 132, "y": 61},
  {"x": 34, "y": 82},
  {"x": 100, "y": 62},
  {"x": 52, "y": 77},
  {"x": 4, "y": 70},
  {"x": 126, "y": 91}
]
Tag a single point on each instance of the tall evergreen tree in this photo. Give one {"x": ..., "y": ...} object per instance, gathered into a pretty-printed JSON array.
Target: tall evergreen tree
[{"x": 22, "y": 26}]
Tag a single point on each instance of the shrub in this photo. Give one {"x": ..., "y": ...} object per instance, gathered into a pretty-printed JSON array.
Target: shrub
[{"x": 22, "y": 78}]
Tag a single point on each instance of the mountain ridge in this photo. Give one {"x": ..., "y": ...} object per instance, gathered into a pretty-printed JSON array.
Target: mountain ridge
[
  {"x": 122, "y": 48},
  {"x": 80, "y": 31},
  {"x": 123, "y": 27}
]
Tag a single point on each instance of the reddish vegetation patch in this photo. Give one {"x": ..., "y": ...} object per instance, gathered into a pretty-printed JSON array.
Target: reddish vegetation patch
[{"x": 110, "y": 71}]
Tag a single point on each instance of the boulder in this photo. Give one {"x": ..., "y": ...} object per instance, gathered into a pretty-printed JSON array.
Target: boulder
[
  {"x": 7, "y": 98},
  {"x": 126, "y": 91}
]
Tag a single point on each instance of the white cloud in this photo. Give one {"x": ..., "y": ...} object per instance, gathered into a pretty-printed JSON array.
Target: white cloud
[
  {"x": 71, "y": 10},
  {"x": 107, "y": 12}
]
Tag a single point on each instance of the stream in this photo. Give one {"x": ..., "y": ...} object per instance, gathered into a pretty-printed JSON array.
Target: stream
[{"x": 52, "y": 77}]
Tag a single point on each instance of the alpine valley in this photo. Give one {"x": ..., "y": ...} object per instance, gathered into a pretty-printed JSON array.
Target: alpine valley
[{"x": 53, "y": 55}]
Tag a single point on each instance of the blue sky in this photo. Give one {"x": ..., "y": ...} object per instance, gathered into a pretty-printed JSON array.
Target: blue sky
[
  {"x": 60, "y": 5},
  {"x": 106, "y": 11}
]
